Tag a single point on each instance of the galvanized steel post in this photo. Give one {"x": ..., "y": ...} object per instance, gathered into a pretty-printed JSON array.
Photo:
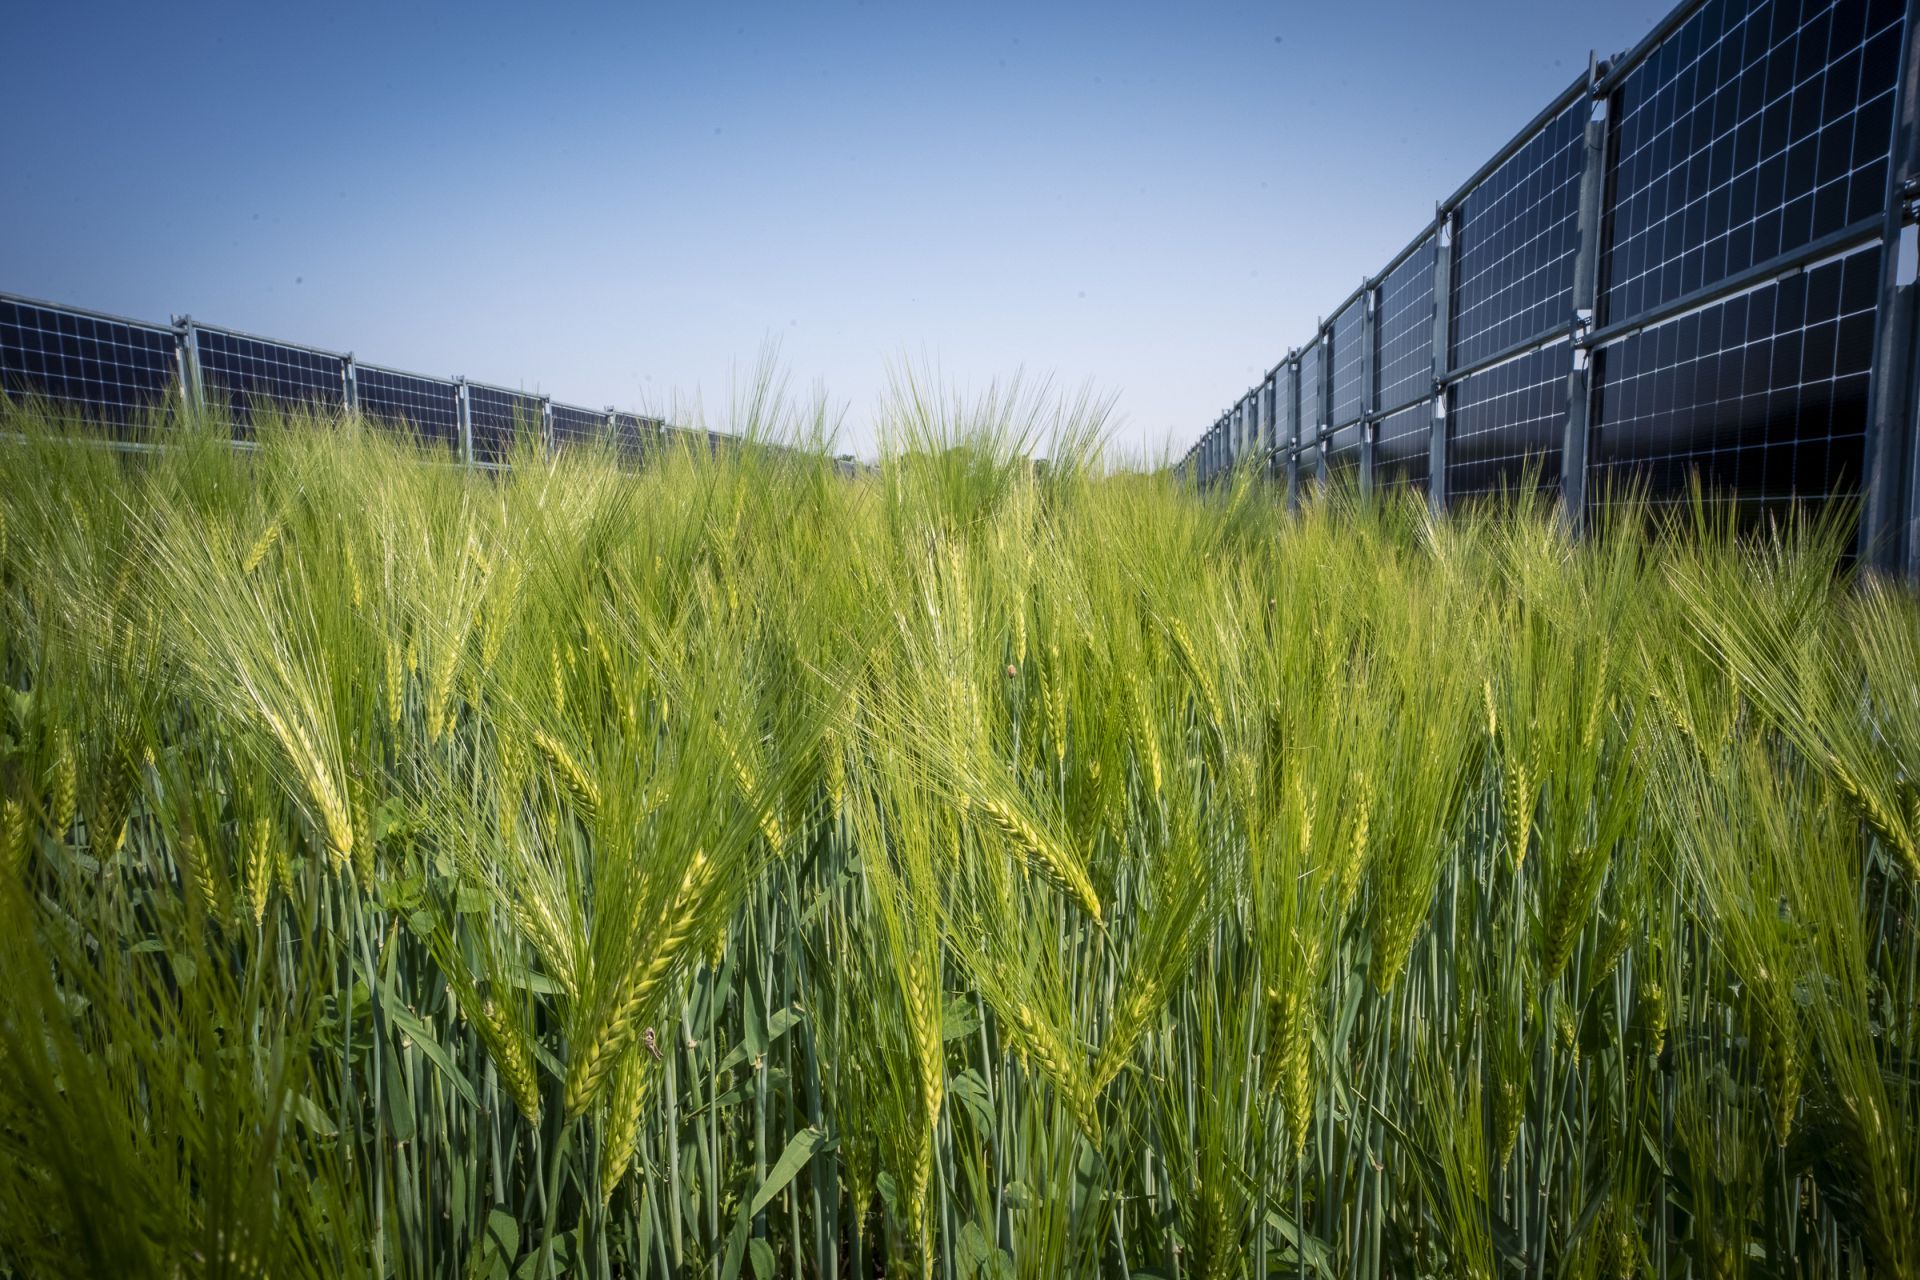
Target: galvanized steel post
[
  {"x": 186, "y": 342},
  {"x": 1369, "y": 393},
  {"x": 1586, "y": 296},
  {"x": 464, "y": 400},
  {"x": 1890, "y": 508},
  {"x": 349, "y": 382},
  {"x": 1443, "y": 254}
]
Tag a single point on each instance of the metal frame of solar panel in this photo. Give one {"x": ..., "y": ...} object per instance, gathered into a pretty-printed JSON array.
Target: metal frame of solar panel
[
  {"x": 427, "y": 408},
  {"x": 495, "y": 415},
  {"x": 113, "y": 370},
  {"x": 240, "y": 373}
]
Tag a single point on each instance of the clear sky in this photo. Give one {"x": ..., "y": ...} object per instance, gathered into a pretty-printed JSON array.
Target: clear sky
[{"x": 626, "y": 205}]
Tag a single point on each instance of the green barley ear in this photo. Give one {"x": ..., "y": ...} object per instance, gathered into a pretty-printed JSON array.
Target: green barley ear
[
  {"x": 63, "y": 784},
  {"x": 580, "y": 786},
  {"x": 511, "y": 1049},
  {"x": 13, "y": 838},
  {"x": 626, "y": 1108},
  {"x": 1040, "y": 850}
]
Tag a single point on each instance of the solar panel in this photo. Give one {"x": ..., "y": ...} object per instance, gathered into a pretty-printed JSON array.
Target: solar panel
[
  {"x": 112, "y": 370},
  {"x": 497, "y": 417},
  {"x": 1343, "y": 452},
  {"x": 1753, "y": 130},
  {"x": 574, "y": 425},
  {"x": 1406, "y": 329},
  {"x": 1507, "y": 422},
  {"x": 239, "y": 373},
  {"x": 1284, "y": 416},
  {"x": 427, "y": 407},
  {"x": 1764, "y": 393},
  {"x": 1401, "y": 449},
  {"x": 1516, "y": 236},
  {"x": 1310, "y": 417},
  {"x": 1349, "y": 351}
]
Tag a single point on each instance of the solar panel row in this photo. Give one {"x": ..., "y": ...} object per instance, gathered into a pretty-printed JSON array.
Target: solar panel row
[{"x": 1754, "y": 137}]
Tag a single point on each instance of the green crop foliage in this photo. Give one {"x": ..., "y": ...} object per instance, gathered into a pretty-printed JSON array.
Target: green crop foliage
[{"x": 964, "y": 868}]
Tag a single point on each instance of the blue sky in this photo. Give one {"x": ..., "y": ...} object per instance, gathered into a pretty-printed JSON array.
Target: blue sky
[{"x": 627, "y": 205}]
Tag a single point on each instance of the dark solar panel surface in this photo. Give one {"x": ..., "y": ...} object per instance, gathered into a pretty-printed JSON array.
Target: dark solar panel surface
[
  {"x": 1764, "y": 394},
  {"x": 242, "y": 374},
  {"x": 1349, "y": 330},
  {"x": 1343, "y": 451},
  {"x": 574, "y": 425},
  {"x": 1406, "y": 329},
  {"x": 497, "y": 416},
  {"x": 1753, "y": 130},
  {"x": 1311, "y": 415},
  {"x": 1401, "y": 449},
  {"x": 1515, "y": 241},
  {"x": 427, "y": 407},
  {"x": 111, "y": 370},
  {"x": 1507, "y": 424}
]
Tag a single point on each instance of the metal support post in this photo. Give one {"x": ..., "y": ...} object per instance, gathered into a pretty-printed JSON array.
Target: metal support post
[
  {"x": 546, "y": 426},
  {"x": 1322, "y": 413},
  {"x": 1369, "y": 393},
  {"x": 186, "y": 343},
  {"x": 465, "y": 402},
  {"x": 1890, "y": 508},
  {"x": 1294, "y": 432},
  {"x": 1586, "y": 299},
  {"x": 1443, "y": 254},
  {"x": 350, "y": 382}
]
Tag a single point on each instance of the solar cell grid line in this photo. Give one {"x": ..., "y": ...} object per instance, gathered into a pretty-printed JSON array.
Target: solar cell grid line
[
  {"x": 498, "y": 415},
  {"x": 1505, "y": 424},
  {"x": 1515, "y": 237},
  {"x": 1400, "y": 449},
  {"x": 1348, "y": 353},
  {"x": 427, "y": 407},
  {"x": 573, "y": 425},
  {"x": 109, "y": 369},
  {"x": 239, "y": 372},
  {"x": 1751, "y": 130},
  {"x": 1405, "y": 324},
  {"x": 1762, "y": 395}
]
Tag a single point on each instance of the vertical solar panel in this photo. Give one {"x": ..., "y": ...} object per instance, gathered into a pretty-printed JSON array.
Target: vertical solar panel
[
  {"x": 634, "y": 435},
  {"x": 1310, "y": 419},
  {"x": 1285, "y": 419},
  {"x": 573, "y": 425},
  {"x": 239, "y": 374},
  {"x": 1406, "y": 329},
  {"x": 498, "y": 416},
  {"x": 1763, "y": 394},
  {"x": 1343, "y": 452},
  {"x": 426, "y": 407},
  {"x": 1349, "y": 350},
  {"x": 1753, "y": 130},
  {"x": 1507, "y": 424},
  {"x": 1400, "y": 450},
  {"x": 111, "y": 370},
  {"x": 1515, "y": 241}
]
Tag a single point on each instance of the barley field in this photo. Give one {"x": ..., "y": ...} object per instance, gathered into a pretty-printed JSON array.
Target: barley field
[{"x": 733, "y": 867}]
